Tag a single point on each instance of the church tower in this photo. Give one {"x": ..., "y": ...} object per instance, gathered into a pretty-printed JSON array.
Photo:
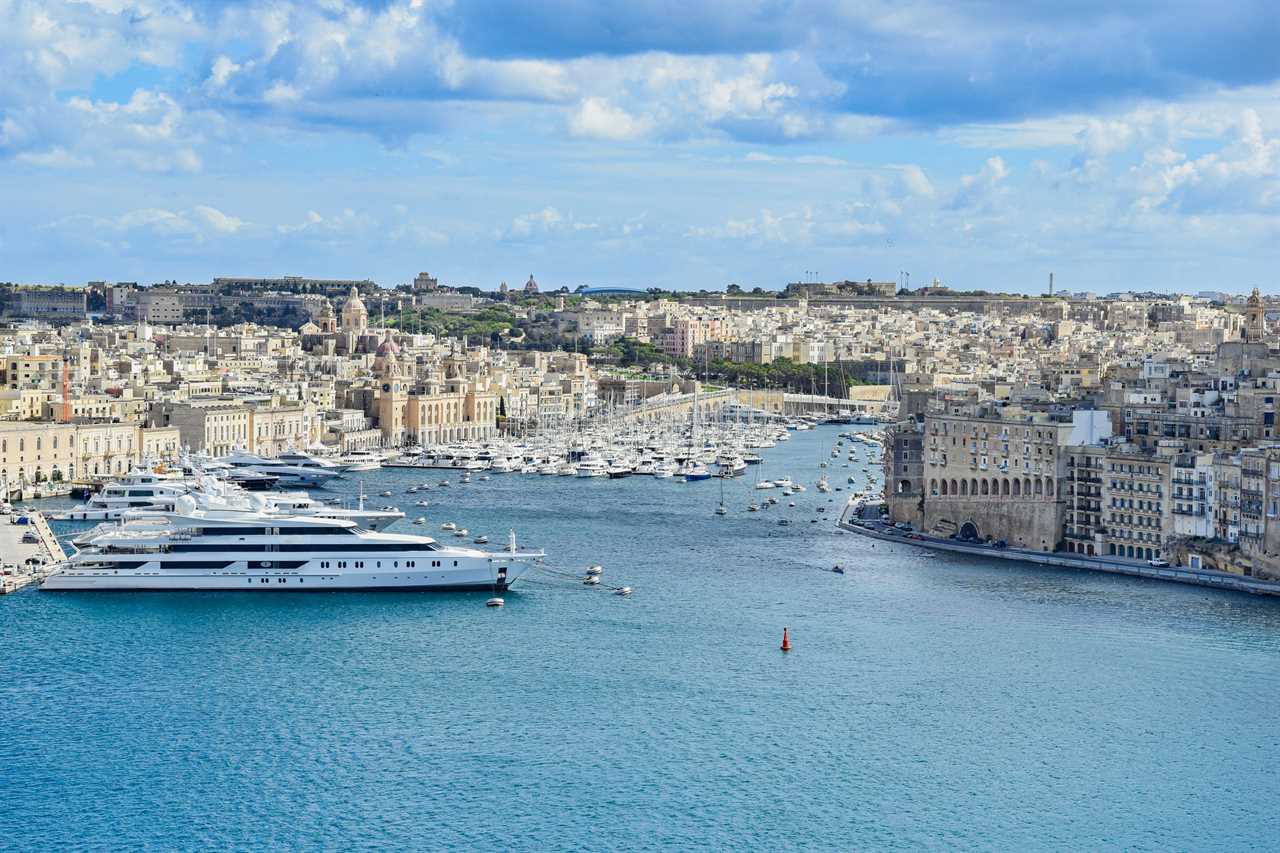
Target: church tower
[
  {"x": 1255, "y": 324},
  {"x": 393, "y": 392}
]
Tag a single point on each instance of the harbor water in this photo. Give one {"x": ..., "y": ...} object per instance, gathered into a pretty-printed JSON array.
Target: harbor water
[{"x": 942, "y": 702}]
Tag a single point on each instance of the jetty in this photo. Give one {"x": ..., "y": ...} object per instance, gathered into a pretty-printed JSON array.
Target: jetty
[{"x": 22, "y": 560}]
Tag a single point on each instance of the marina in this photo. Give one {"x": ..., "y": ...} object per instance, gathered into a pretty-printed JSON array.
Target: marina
[{"x": 684, "y": 675}]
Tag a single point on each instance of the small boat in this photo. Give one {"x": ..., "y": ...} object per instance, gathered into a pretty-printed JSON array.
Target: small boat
[
  {"x": 838, "y": 569},
  {"x": 460, "y": 532},
  {"x": 722, "y": 510},
  {"x": 623, "y": 590},
  {"x": 444, "y": 482},
  {"x": 783, "y": 522},
  {"x": 481, "y": 540},
  {"x": 494, "y": 602},
  {"x": 753, "y": 508},
  {"x": 420, "y": 520},
  {"x": 386, "y": 494},
  {"x": 448, "y": 525},
  {"x": 485, "y": 477},
  {"x": 591, "y": 580},
  {"x": 412, "y": 490},
  {"x": 422, "y": 503},
  {"x": 791, "y": 503},
  {"x": 595, "y": 571}
]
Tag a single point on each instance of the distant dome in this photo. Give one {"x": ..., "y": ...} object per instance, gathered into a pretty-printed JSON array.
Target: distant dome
[{"x": 387, "y": 347}]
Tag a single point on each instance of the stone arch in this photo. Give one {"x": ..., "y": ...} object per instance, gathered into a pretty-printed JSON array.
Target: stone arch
[
  {"x": 955, "y": 488},
  {"x": 904, "y": 487},
  {"x": 1048, "y": 487},
  {"x": 1004, "y": 487},
  {"x": 1026, "y": 486},
  {"x": 964, "y": 488},
  {"x": 944, "y": 487},
  {"x": 985, "y": 488},
  {"x": 1017, "y": 487},
  {"x": 1039, "y": 486},
  {"x": 973, "y": 487},
  {"x": 969, "y": 530}
]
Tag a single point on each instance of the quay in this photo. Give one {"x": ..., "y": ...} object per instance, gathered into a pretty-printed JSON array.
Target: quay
[
  {"x": 876, "y": 529},
  {"x": 25, "y": 563}
]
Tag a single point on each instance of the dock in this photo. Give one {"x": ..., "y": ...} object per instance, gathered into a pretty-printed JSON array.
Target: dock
[
  {"x": 1177, "y": 574},
  {"x": 24, "y": 563}
]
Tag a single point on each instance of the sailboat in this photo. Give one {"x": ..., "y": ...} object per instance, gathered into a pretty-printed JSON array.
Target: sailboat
[{"x": 722, "y": 509}]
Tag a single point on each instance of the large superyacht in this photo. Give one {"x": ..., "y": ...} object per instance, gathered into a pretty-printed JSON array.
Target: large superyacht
[
  {"x": 195, "y": 549},
  {"x": 147, "y": 491}
]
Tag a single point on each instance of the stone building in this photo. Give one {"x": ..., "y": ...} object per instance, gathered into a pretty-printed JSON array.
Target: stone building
[{"x": 991, "y": 472}]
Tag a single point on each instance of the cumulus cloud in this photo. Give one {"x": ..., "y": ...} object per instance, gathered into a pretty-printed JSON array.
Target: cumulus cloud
[
  {"x": 977, "y": 190},
  {"x": 190, "y": 226},
  {"x": 1242, "y": 176},
  {"x": 596, "y": 118}
]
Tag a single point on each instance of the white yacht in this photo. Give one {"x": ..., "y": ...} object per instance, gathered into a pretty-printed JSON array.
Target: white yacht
[
  {"x": 363, "y": 460},
  {"x": 289, "y": 474},
  {"x": 195, "y": 549},
  {"x": 303, "y": 459},
  {"x": 139, "y": 489},
  {"x": 145, "y": 491},
  {"x": 665, "y": 469},
  {"x": 592, "y": 465}
]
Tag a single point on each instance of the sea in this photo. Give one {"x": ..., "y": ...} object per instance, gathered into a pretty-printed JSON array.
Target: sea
[{"x": 928, "y": 702}]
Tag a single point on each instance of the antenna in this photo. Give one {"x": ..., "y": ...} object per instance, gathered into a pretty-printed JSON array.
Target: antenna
[{"x": 1051, "y": 284}]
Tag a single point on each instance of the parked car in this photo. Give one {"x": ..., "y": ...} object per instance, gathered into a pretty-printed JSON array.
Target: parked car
[
  {"x": 1158, "y": 563},
  {"x": 30, "y": 538}
]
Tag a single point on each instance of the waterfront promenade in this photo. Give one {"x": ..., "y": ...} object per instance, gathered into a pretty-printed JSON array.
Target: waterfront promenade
[{"x": 1177, "y": 574}]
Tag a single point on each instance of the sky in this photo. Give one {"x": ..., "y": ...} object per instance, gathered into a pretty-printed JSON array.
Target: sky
[{"x": 644, "y": 143}]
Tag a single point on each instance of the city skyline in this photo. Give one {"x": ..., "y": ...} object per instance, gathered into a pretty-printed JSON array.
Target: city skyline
[{"x": 642, "y": 145}]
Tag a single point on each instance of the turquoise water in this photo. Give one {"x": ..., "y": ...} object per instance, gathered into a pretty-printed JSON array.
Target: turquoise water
[{"x": 946, "y": 703}]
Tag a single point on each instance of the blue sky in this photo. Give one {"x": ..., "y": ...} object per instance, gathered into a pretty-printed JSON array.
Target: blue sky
[{"x": 685, "y": 145}]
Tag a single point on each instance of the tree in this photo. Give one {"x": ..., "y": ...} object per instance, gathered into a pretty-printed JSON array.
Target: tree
[{"x": 733, "y": 288}]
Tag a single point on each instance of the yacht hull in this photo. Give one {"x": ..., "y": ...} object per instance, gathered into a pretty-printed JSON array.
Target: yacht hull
[{"x": 479, "y": 574}]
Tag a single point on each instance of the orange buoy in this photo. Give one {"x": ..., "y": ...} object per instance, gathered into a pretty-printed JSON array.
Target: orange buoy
[{"x": 786, "y": 641}]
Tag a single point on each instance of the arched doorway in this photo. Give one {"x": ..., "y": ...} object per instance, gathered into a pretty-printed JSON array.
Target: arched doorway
[{"x": 968, "y": 530}]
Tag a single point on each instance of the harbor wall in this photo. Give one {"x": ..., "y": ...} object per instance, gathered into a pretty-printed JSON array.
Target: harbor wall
[{"x": 1175, "y": 574}]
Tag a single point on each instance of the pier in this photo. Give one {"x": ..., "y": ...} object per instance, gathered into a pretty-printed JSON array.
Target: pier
[
  {"x": 876, "y": 529},
  {"x": 19, "y": 570}
]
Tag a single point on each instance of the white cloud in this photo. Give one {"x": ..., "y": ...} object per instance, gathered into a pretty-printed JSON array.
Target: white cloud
[
  {"x": 196, "y": 225},
  {"x": 914, "y": 182},
  {"x": 598, "y": 119},
  {"x": 802, "y": 159},
  {"x": 217, "y": 220},
  {"x": 1242, "y": 176},
  {"x": 346, "y": 223},
  {"x": 56, "y": 157},
  {"x": 978, "y": 189}
]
